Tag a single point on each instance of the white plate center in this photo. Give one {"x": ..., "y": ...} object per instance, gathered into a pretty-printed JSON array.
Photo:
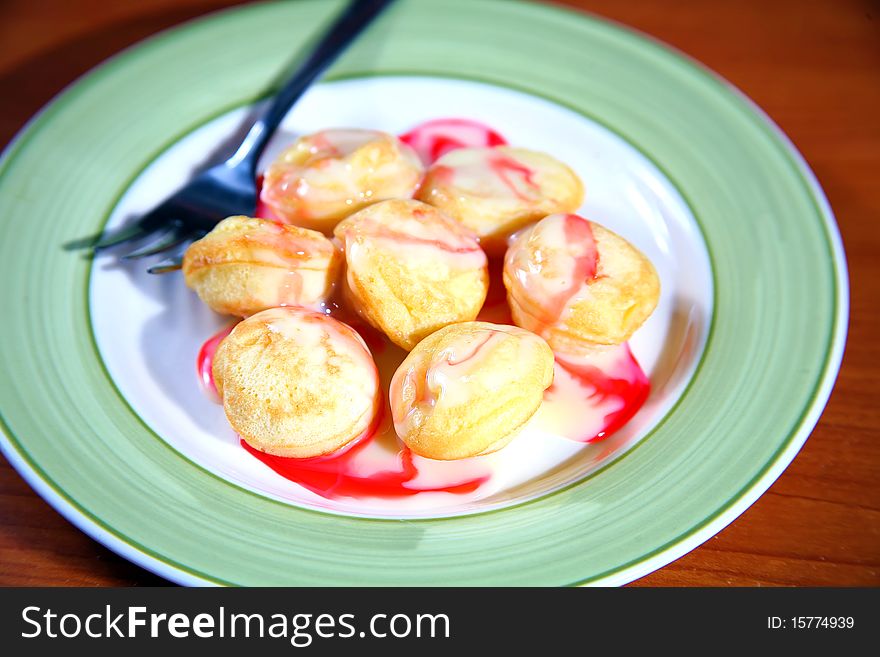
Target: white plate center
[{"x": 149, "y": 328}]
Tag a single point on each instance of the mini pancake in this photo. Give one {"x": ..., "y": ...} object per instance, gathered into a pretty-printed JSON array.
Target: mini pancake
[
  {"x": 496, "y": 191},
  {"x": 578, "y": 284},
  {"x": 469, "y": 388},
  {"x": 296, "y": 383},
  {"x": 327, "y": 175},
  {"x": 247, "y": 265},
  {"x": 411, "y": 270}
]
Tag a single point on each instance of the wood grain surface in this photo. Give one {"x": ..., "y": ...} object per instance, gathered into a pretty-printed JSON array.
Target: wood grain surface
[{"x": 813, "y": 66}]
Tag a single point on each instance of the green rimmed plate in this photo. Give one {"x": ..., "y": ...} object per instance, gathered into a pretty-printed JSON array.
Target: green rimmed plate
[{"x": 770, "y": 342}]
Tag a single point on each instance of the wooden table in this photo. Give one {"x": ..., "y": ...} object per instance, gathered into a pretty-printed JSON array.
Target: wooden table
[{"x": 813, "y": 66}]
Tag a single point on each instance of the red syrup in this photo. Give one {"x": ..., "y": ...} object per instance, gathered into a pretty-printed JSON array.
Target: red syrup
[
  {"x": 624, "y": 384},
  {"x": 507, "y": 169},
  {"x": 585, "y": 255},
  {"x": 205, "y": 361},
  {"x": 337, "y": 475},
  {"x": 431, "y": 140}
]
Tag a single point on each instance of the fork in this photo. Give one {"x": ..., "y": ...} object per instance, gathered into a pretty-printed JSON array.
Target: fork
[{"x": 230, "y": 187}]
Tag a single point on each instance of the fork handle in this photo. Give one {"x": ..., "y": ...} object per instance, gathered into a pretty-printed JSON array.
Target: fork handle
[{"x": 348, "y": 25}]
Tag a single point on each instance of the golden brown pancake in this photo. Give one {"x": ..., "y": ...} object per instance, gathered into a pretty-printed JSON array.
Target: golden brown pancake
[
  {"x": 578, "y": 284},
  {"x": 411, "y": 270},
  {"x": 469, "y": 388},
  {"x": 296, "y": 383},
  {"x": 247, "y": 265},
  {"x": 327, "y": 175}
]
